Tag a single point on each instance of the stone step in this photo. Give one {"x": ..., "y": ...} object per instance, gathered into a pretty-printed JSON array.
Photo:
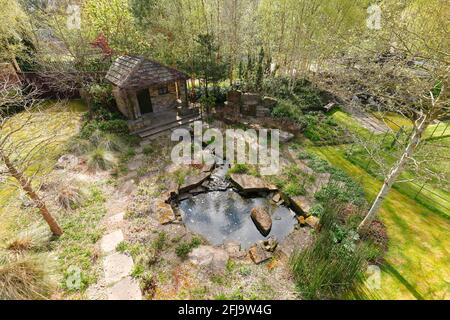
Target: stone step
[
  {"x": 165, "y": 122},
  {"x": 154, "y": 131},
  {"x": 110, "y": 241},
  {"x": 116, "y": 267},
  {"x": 125, "y": 289}
]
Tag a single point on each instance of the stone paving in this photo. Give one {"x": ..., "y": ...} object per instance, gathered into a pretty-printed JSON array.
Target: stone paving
[{"x": 116, "y": 282}]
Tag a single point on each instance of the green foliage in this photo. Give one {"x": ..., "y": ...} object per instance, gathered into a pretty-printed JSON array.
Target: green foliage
[
  {"x": 317, "y": 210},
  {"x": 82, "y": 230},
  {"x": 116, "y": 126},
  {"x": 240, "y": 168},
  {"x": 333, "y": 265},
  {"x": 160, "y": 241},
  {"x": 148, "y": 150},
  {"x": 341, "y": 186},
  {"x": 100, "y": 159},
  {"x": 182, "y": 249},
  {"x": 138, "y": 270},
  {"x": 299, "y": 92},
  {"x": 293, "y": 189}
]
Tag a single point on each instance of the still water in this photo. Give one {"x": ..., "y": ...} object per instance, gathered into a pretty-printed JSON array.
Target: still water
[{"x": 221, "y": 216}]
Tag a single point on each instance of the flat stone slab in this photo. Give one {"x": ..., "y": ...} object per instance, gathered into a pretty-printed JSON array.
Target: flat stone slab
[
  {"x": 191, "y": 182},
  {"x": 110, "y": 241},
  {"x": 136, "y": 162},
  {"x": 125, "y": 289},
  {"x": 259, "y": 254},
  {"x": 213, "y": 259},
  {"x": 301, "y": 204},
  {"x": 248, "y": 183},
  {"x": 164, "y": 212},
  {"x": 115, "y": 219},
  {"x": 313, "y": 222},
  {"x": 116, "y": 267}
]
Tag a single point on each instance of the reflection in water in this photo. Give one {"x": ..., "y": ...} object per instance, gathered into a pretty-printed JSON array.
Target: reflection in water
[{"x": 221, "y": 216}]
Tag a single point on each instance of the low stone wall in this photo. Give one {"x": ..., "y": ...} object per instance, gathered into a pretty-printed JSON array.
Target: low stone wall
[{"x": 250, "y": 104}]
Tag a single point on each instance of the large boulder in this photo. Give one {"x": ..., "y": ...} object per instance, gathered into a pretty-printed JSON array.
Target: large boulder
[
  {"x": 248, "y": 183},
  {"x": 192, "y": 182},
  {"x": 164, "y": 212},
  {"x": 262, "y": 220},
  {"x": 211, "y": 258}
]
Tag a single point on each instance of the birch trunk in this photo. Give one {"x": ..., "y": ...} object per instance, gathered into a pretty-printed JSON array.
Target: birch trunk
[
  {"x": 26, "y": 186},
  {"x": 396, "y": 170}
]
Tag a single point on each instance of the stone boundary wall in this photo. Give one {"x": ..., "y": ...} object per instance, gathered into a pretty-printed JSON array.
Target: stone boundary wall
[{"x": 250, "y": 104}]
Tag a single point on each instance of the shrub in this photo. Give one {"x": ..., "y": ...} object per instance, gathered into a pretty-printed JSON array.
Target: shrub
[
  {"x": 116, "y": 126},
  {"x": 25, "y": 276}
]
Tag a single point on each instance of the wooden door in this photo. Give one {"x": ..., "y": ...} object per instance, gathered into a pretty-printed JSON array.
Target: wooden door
[{"x": 145, "y": 103}]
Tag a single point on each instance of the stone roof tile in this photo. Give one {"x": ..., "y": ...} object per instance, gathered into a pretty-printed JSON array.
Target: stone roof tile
[{"x": 130, "y": 72}]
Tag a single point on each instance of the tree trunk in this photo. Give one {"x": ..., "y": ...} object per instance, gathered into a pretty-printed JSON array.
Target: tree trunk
[
  {"x": 396, "y": 170},
  {"x": 26, "y": 186}
]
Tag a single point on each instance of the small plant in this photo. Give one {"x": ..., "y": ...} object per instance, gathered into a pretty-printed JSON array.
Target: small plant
[
  {"x": 148, "y": 150},
  {"x": 239, "y": 168},
  {"x": 333, "y": 265},
  {"x": 160, "y": 241},
  {"x": 122, "y": 247},
  {"x": 138, "y": 270},
  {"x": 184, "y": 248},
  {"x": 69, "y": 196},
  {"x": 317, "y": 210},
  {"x": 100, "y": 159},
  {"x": 245, "y": 271}
]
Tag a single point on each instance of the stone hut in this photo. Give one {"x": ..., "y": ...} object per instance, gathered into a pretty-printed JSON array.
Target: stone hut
[{"x": 147, "y": 91}]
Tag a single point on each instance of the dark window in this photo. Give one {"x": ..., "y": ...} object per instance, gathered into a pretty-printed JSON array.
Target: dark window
[{"x": 163, "y": 90}]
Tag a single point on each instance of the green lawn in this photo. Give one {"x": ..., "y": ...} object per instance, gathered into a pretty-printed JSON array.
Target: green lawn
[
  {"x": 417, "y": 261},
  {"x": 11, "y": 218},
  {"x": 435, "y": 195},
  {"x": 396, "y": 121}
]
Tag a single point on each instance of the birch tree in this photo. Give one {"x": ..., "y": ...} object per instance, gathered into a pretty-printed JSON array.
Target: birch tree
[
  {"x": 403, "y": 68},
  {"x": 24, "y": 138}
]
